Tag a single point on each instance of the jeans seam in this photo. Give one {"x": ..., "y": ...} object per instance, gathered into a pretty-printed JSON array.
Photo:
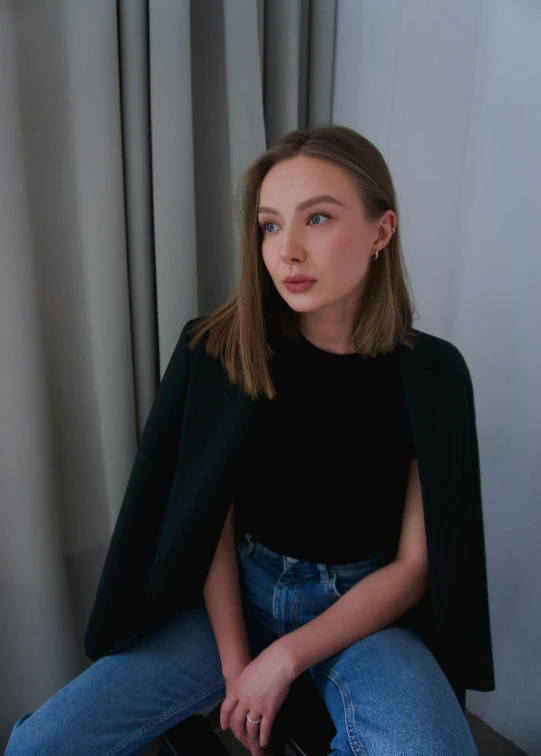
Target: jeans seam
[
  {"x": 274, "y": 595},
  {"x": 296, "y": 603},
  {"x": 355, "y": 744},
  {"x": 166, "y": 715}
]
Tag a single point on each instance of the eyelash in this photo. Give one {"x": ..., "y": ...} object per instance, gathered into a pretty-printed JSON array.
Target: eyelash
[{"x": 312, "y": 215}]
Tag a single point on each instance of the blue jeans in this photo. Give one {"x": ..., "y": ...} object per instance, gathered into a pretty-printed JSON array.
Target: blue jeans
[{"x": 386, "y": 693}]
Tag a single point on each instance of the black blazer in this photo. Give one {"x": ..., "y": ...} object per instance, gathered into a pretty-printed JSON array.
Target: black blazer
[{"x": 183, "y": 482}]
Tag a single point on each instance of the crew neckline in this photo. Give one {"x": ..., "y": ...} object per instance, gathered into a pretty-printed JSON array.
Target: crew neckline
[
  {"x": 318, "y": 350},
  {"x": 343, "y": 358}
]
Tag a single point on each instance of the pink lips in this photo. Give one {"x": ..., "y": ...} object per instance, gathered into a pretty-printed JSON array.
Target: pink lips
[
  {"x": 298, "y": 286},
  {"x": 299, "y": 283}
]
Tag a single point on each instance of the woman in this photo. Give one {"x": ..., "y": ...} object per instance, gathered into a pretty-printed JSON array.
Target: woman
[{"x": 275, "y": 520}]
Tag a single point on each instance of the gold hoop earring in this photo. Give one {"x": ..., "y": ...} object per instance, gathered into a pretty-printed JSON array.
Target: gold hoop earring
[{"x": 375, "y": 256}]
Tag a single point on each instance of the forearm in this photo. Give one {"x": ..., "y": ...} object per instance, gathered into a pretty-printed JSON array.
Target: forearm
[
  {"x": 223, "y": 602},
  {"x": 373, "y": 603}
]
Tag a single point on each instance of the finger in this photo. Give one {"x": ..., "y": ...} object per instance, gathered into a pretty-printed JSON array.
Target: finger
[
  {"x": 255, "y": 749},
  {"x": 265, "y": 730},
  {"x": 255, "y": 745},
  {"x": 228, "y": 705},
  {"x": 253, "y": 729},
  {"x": 238, "y": 721}
]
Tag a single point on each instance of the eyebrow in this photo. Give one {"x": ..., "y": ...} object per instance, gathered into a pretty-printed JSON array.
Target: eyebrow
[{"x": 305, "y": 204}]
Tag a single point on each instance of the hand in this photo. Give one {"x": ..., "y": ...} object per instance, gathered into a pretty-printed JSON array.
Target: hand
[
  {"x": 230, "y": 681},
  {"x": 259, "y": 690},
  {"x": 233, "y": 672}
]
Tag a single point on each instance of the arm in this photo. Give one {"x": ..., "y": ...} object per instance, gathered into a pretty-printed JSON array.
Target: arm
[
  {"x": 375, "y": 601},
  {"x": 222, "y": 599}
]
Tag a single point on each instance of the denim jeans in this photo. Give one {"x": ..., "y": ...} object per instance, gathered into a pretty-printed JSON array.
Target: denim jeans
[{"x": 385, "y": 693}]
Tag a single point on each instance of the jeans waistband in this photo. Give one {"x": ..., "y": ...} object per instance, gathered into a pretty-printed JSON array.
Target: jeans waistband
[{"x": 293, "y": 563}]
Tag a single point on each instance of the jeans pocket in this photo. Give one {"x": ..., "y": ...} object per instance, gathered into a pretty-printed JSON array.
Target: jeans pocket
[{"x": 341, "y": 582}]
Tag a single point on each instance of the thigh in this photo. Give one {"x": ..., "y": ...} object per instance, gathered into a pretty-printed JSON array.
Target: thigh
[
  {"x": 127, "y": 699},
  {"x": 388, "y": 696}
]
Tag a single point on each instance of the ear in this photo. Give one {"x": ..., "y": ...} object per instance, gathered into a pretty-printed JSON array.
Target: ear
[{"x": 386, "y": 228}]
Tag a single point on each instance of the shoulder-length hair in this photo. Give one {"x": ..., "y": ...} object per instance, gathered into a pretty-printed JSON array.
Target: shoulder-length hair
[{"x": 239, "y": 331}]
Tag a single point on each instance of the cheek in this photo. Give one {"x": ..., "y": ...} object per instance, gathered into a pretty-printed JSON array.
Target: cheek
[
  {"x": 267, "y": 257},
  {"x": 272, "y": 260},
  {"x": 346, "y": 255}
]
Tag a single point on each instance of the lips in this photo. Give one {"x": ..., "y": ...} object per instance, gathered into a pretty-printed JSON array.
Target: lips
[
  {"x": 296, "y": 287},
  {"x": 298, "y": 279}
]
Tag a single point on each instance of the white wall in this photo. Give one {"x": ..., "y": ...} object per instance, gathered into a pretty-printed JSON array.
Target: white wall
[{"x": 451, "y": 95}]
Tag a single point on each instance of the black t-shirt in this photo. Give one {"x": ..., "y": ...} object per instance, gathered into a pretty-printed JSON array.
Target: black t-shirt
[{"x": 325, "y": 476}]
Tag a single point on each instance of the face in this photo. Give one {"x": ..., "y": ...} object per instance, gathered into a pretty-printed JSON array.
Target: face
[{"x": 329, "y": 241}]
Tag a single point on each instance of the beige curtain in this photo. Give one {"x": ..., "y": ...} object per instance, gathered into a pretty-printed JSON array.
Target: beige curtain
[{"x": 123, "y": 128}]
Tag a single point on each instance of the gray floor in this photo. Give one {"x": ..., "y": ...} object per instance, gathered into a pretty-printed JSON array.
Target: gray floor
[{"x": 488, "y": 742}]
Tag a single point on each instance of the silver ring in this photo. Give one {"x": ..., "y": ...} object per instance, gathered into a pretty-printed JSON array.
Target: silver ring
[{"x": 253, "y": 721}]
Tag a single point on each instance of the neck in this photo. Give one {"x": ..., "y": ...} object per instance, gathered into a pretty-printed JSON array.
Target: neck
[{"x": 333, "y": 337}]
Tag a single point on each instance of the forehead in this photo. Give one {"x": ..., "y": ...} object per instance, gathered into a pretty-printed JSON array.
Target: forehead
[{"x": 301, "y": 176}]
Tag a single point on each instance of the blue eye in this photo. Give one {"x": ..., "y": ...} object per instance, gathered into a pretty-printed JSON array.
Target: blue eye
[
  {"x": 263, "y": 226},
  {"x": 321, "y": 215}
]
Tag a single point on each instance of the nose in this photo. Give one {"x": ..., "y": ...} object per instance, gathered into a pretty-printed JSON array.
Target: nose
[{"x": 291, "y": 248}]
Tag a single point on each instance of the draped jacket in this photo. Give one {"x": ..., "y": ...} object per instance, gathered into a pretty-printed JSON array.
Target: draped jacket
[{"x": 183, "y": 482}]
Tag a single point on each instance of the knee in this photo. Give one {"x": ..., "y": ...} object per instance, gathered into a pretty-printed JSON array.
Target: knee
[
  {"x": 27, "y": 739},
  {"x": 15, "y": 744}
]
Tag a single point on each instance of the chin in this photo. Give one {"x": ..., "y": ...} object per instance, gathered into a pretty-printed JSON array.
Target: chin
[
  {"x": 302, "y": 304},
  {"x": 306, "y": 308}
]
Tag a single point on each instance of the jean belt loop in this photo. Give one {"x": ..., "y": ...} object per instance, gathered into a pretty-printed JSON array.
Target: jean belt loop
[
  {"x": 324, "y": 574},
  {"x": 250, "y": 545}
]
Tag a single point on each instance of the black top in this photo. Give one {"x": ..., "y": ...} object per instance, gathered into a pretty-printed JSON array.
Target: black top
[{"x": 325, "y": 477}]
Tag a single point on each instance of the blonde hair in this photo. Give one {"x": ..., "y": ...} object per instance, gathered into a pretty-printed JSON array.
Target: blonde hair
[{"x": 238, "y": 331}]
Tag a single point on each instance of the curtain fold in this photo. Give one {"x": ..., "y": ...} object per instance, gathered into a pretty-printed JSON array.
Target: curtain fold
[
  {"x": 123, "y": 129},
  {"x": 134, "y": 72},
  {"x": 172, "y": 171},
  {"x": 299, "y": 38}
]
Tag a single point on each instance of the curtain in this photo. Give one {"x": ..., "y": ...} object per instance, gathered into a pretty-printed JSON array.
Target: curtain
[{"x": 123, "y": 129}]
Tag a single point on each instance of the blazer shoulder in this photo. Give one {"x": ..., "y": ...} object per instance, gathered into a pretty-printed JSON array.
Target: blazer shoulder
[
  {"x": 188, "y": 325},
  {"x": 186, "y": 334},
  {"x": 440, "y": 353}
]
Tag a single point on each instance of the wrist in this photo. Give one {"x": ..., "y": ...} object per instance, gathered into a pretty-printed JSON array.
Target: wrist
[
  {"x": 290, "y": 657},
  {"x": 234, "y": 665}
]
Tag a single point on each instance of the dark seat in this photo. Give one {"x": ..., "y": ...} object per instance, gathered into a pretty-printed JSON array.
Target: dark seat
[
  {"x": 193, "y": 737},
  {"x": 303, "y": 722}
]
